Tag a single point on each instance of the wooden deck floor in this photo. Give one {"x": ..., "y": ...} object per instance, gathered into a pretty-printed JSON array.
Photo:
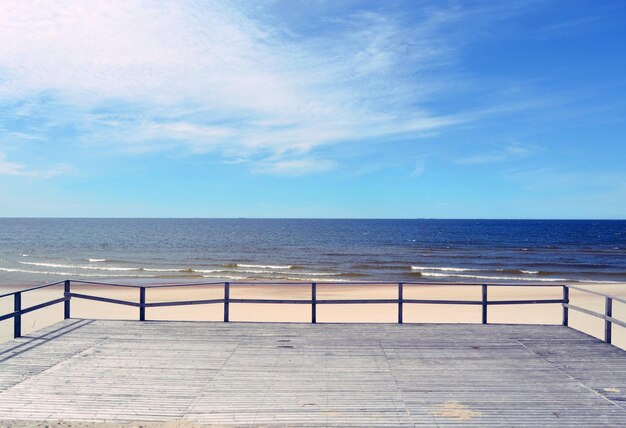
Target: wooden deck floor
[{"x": 324, "y": 374}]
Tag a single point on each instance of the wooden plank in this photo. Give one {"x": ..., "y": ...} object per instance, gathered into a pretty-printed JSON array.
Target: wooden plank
[{"x": 273, "y": 374}]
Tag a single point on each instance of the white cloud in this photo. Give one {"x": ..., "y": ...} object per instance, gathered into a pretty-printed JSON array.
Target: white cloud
[
  {"x": 552, "y": 179},
  {"x": 503, "y": 154},
  {"x": 20, "y": 170},
  {"x": 212, "y": 76},
  {"x": 420, "y": 167},
  {"x": 10, "y": 168},
  {"x": 295, "y": 167}
]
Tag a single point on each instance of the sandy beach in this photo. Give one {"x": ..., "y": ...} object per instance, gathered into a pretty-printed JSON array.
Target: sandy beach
[{"x": 368, "y": 313}]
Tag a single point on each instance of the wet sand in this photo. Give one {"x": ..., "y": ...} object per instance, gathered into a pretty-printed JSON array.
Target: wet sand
[{"x": 371, "y": 313}]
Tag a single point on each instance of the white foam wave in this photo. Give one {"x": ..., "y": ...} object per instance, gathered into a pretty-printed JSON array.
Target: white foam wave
[
  {"x": 495, "y": 278},
  {"x": 251, "y": 271},
  {"x": 332, "y": 280},
  {"x": 24, "y": 255},
  {"x": 455, "y": 269},
  {"x": 446, "y": 269},
  {"x": 97, "y": 260},
  {"x": 225, "y": 277},
  {"x": 314, "y": 273},
  {"x": 70, "y": 274},
  {"x": 164, "y": 270},
  {"x": 64, "y": 266},
  {"x": 265, "y": 266}
]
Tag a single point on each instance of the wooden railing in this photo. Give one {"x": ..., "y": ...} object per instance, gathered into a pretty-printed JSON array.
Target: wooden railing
[{"x": 400, "y": 301}]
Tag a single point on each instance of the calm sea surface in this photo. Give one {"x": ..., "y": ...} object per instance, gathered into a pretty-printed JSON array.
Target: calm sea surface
[{"x": 45, "y": 250}]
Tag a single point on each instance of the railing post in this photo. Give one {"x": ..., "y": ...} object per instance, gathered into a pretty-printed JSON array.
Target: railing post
[
  {"x": 313, "y": 303},
  {"x": 565, "y": 308},
  {"x": 142, "y": 303},
  {"x": 17, "y": 319},
  {"x": 66, "y": 304},
  {"x": 608, "y": 311},
  {"x": 226, "y": 300},
  {"x": 484, "y": 302},
  {"x": 400, "y": 300}
]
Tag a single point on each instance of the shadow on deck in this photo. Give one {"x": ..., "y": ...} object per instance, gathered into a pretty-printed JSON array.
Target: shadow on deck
[{"x": 324, "y": 374}]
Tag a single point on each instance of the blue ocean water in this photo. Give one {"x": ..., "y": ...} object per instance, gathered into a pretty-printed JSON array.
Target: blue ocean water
[{"x": 45, "y": 250}]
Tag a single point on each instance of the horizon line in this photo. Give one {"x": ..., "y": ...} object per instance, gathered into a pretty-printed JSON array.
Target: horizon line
[{"x": 315, "y": 218}]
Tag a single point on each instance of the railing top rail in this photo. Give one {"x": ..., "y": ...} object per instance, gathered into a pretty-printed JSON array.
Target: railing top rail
[
  {"x": 475, "y": 284},
  {"x": 105, "y": 283},
  {"x": 77, "y": 281},
  {"x": 295, "y": 283},
  {"x": 31, "y": 289},
  {"x": 492, "y": 284},
  {"x": 598, "y": 293},
  {"x": 184, "y": 284}
]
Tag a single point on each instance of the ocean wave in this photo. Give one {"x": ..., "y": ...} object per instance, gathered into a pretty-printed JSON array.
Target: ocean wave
[
  {"x": 519, "y": 271},
  {"x": 352, "y": 275},
  {"x": 167, "y": 270},
  {"x": 495, "y": 278},
  {"x": 380, "y": 265},
  {"x": 485, "y": 269},
  {"x": 445, "y": 269},
  {"x": 333, "y": 280},
  {"x": 264, "y": 266},
  {"x": 122, "y": 269},
  {"x": 96, "y": 260},
  {"x": 316, "y": 273},
  {"x": 64, "y": 266},
  {"x": 71, "y": 274},
  {"x": 225, "y": 277}
]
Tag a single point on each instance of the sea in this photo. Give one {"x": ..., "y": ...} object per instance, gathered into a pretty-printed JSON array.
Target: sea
[{"x": 42, "y": 250}]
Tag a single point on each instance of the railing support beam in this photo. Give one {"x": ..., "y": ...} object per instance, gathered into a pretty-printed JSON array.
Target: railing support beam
[
  {"x": 608, "y": 311},
  {"x": 142, "y": 304},
  {"x": 313, "y": 303},
  {"x": 17, "y": 320},
  {"x": 66, "y": 304},
  {"x": 400, "y": 301},
  {"x": 226, "y": 301},
  {"x": 565, "y": 308},
  {"x": 484, "y": 303}
]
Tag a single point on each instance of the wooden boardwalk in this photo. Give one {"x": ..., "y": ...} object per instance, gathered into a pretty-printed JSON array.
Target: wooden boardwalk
[{"x": 324, "y": 374}]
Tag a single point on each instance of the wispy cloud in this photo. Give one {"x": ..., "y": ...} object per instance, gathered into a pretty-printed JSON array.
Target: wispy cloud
[
  {"x": 502, "y": 154},
  {"x": 295, "y": 167},
  {"x": 208, "y": 77},
  {"x": 17, "y": 169},
  {"x": 549, "y": 179},
  {"x": 420, "y": 167},
  {"x": 10, "y": 168}
]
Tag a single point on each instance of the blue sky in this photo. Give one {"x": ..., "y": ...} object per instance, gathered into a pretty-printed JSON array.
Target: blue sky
[{"x": 392, "y": 109}]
